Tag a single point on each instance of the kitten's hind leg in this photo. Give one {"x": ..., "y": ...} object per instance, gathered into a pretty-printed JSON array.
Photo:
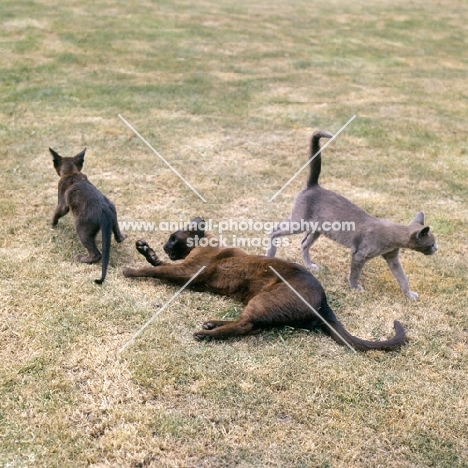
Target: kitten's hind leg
[
  {"x": 393, "y": 262},
  {"x": 285, "y": 228},
  {"x": 212, "y": 324},
  {"x": 260, "y": 312},
  {"x": 277, "y": 232},
  {"x": 118, "y": 235},
  {"x": 87, "y": 238},
  {"x": 147, "y": 252},
  {"x": 215, "y": 329},
  {"x": 309, "y": 238},
  {"x": 357, "y": 263}
]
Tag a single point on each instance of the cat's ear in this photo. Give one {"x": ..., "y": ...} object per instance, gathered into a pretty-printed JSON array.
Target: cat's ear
[
  {"x": 79, "y": 159},
  {"x": 56, "y": 157},
  {"x": 197, "y": 226},
  {"x": 419, "y": 218},
  {"x": 422, "y": 233}
]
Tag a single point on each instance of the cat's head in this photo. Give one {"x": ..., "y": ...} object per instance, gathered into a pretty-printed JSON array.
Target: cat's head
[
  {"x": 182, "y": 242},
  {"x": 65, "y": 166},
  {"x": 421, "y": 238}
]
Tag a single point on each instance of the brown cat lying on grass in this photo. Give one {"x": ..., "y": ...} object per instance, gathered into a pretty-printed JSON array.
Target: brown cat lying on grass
[
  {"x": 370, "y": 238},
  {"x": 250, "y": 279},
  {"x": 91, "y": 209}
]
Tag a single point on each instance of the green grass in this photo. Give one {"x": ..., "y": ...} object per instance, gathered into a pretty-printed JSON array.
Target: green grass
[{"x": 230, "y": 94}]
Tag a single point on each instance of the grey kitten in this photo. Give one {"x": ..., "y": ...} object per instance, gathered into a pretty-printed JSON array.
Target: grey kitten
[{"x": 370, "y": 238}]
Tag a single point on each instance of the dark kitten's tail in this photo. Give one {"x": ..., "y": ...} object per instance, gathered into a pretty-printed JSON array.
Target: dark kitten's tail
[
  {"x": 316, "y": 163},
  {"x": 106, "y": 231},
  {"x": 340, "y": 335}
]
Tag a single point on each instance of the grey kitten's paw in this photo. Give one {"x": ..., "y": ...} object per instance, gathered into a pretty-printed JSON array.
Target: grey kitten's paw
[
  {"x": 414, "y": 296},
  {"x": 358, "y": 288},
  {"x": 312, "y": 266}
]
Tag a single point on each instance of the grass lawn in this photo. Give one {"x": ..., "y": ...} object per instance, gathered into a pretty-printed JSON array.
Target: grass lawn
[{"x": 230, "y": 93}]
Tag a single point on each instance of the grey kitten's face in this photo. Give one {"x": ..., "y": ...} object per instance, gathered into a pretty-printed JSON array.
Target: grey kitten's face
[{"x": 422, "y": 240}]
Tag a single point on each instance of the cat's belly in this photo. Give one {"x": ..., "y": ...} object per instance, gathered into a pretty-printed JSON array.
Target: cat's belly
[{"x": 346, "y": 238}]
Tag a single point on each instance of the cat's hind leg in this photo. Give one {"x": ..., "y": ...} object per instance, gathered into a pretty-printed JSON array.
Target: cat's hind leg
[
  {"x": 277, "y": 232},
  {"x": 309, "y": 238},
  {"x": 284, "y": 228},
  {"x": 212, "y": 324},
  {"x": 87, "y": 235},
  {"x": 247, "y": 324},
  {"x": 118, "y": 235},
  {"x": 231, "y": 328}
]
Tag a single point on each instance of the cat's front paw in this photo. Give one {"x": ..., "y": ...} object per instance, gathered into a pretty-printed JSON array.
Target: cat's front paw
[
  {"x": 147, "y": 252},
  {"x": 142, "y": 246},
  {"x": 353, "y": 283},
  {"x": 128, "y": 272},
  {"x": 414, "y": 296},
  {"x": 312, "y": 266}
]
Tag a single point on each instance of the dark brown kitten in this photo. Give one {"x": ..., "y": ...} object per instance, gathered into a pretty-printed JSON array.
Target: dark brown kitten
[
  {"x": 263, "y": 285},
  {"x": 90, "y": 208}
]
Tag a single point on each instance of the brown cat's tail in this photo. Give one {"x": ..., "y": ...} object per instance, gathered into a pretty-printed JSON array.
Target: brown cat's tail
[
  {"x": 315, "y": 153},
  {"x": 363, "y": 345},
  {"x": 341, "y": 335}
]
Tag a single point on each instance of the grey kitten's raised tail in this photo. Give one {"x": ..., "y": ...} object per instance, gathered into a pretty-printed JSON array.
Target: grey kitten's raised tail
[{"x": 316, "y": 154}]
